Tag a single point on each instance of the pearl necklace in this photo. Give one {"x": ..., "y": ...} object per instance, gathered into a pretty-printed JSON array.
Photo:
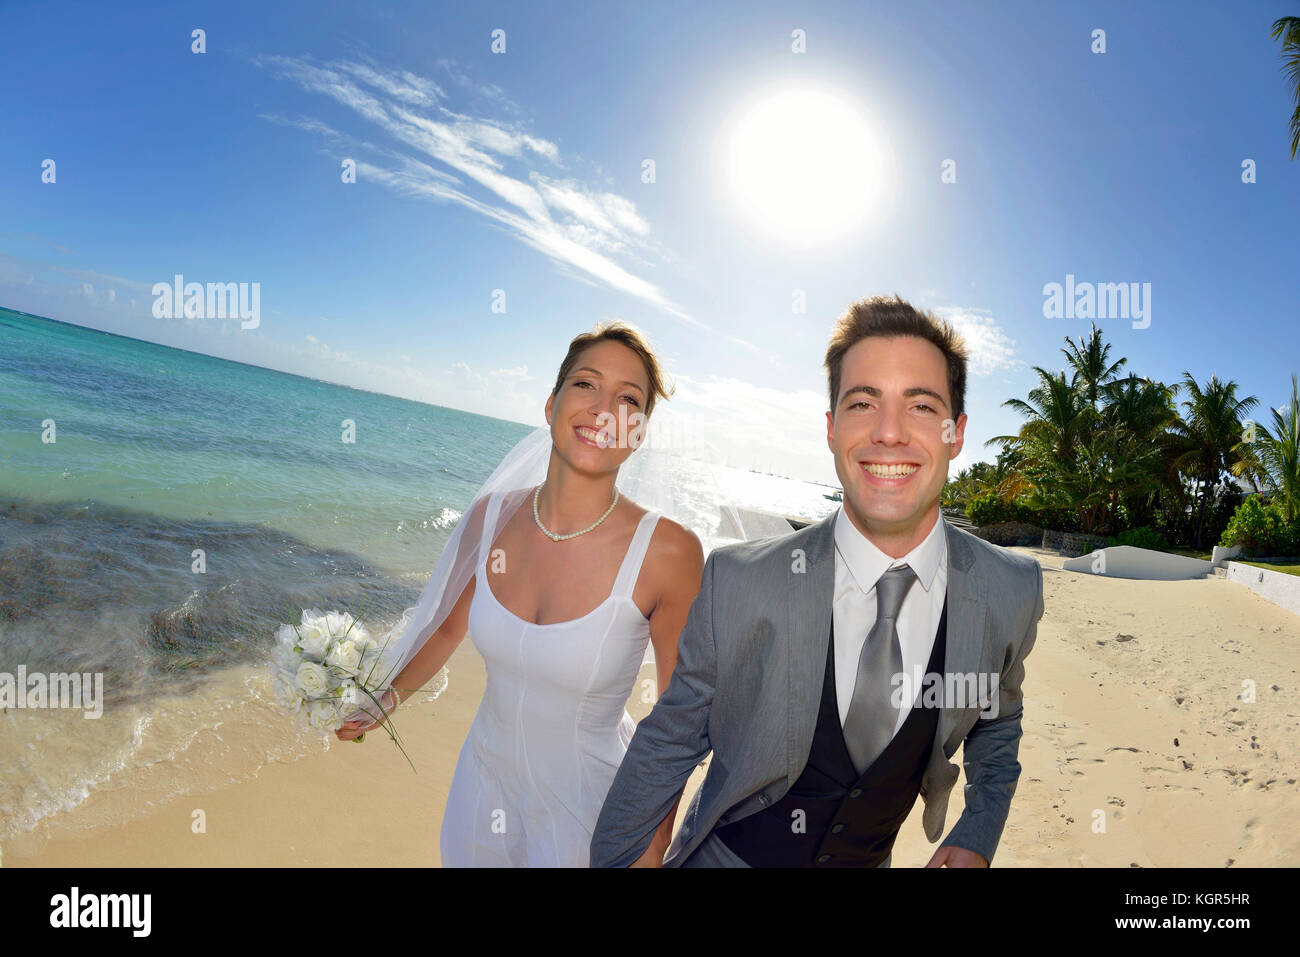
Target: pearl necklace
[{"x": 559, "y": 538}]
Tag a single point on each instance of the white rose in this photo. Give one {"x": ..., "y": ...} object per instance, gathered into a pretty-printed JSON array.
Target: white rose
[
  {"x": 311, "y": 679},
  {"x": 313, "y": 637},
  {"x": 286, "y": 692},
  {"x": 323, "y": 715},
  {"x": 285, "y": 658},
  {"x": 286, "y": 636},
  {"x": 350, "y": 696},
  {"x": 284, "y": 685},
  {"x": 363, "y": 639},
  {"x": 346, "y": 655},
  {"x": 373, "y": 672},
  {"x": 338, "y": 623}
]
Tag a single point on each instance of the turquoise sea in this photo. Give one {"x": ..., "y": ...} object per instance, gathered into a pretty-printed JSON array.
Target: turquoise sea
[{"x": 158, "y": 452}]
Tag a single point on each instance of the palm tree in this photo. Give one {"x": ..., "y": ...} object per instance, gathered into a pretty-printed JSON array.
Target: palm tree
[
  {"x": 1140, "y": 411},
  {"x": 1288, "y": 30},
  {"x": 1055, "y": 413},
  {"x": 1211, "y": 436},
  {"x": 1091, "y": 363},
  {"x": 1275, "y": 455},
  {"x": 979, "y": 473},
  {"x": 1042, "y": 461},
  {"x": 975, "y": 479}
]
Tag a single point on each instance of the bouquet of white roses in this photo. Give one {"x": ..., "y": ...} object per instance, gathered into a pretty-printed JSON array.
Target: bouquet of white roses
[{"x": 326, "y": 665}]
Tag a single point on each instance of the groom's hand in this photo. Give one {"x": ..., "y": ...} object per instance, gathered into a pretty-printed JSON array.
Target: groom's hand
[{"x": 952, "y": 856}]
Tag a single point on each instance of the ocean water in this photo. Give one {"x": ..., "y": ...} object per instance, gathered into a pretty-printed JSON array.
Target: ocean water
[{"x": 159, "y": 452}]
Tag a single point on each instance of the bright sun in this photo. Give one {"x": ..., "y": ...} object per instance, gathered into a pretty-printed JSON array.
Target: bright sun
[{"x": 804, "y": 164}]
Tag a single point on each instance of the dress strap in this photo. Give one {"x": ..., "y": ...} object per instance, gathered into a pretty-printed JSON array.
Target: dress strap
[
  {"x": 630, "y": 570},
  {"x": 486, "y": 534}
]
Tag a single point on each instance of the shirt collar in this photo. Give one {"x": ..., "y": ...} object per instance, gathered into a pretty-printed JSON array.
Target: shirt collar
[{"x": 867, "y": 563}]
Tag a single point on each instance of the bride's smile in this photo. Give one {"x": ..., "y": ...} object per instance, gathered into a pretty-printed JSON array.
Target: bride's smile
[{"x": 597, "y": 437}]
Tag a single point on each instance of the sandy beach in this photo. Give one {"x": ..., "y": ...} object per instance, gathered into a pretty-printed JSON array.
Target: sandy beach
[{"x": 1137, "y": 750}]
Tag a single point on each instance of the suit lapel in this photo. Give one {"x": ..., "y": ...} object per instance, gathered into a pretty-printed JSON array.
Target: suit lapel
[
  {"x": 967, "y": 601},
  {"x": 808, "y": 624}
]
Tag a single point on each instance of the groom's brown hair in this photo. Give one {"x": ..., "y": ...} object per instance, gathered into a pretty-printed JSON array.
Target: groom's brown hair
[{"x": 883, "y": 316}]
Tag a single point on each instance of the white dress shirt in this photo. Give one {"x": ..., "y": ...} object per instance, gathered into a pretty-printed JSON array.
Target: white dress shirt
[{"x": 858, "y": 566}]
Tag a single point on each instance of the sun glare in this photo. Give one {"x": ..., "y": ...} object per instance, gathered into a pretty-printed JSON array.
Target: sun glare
[{"x": 804, "y": 164}]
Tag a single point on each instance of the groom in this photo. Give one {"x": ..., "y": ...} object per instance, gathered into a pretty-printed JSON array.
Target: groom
[{"x": 797, "y": 667}]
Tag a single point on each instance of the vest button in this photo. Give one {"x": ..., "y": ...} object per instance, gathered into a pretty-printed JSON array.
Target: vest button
[
  {"x": 823, "y": 859},
  {"x": 837, "y": 828},
  {"x": 856, "y": 792},
  {"x": 762, "y": 799}
]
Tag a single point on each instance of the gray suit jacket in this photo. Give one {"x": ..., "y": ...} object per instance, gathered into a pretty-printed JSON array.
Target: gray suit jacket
[{"x": 748, "y": 682}]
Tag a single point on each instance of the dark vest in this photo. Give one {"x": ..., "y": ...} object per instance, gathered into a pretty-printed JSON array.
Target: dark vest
[{"x": 851, "y": 820}]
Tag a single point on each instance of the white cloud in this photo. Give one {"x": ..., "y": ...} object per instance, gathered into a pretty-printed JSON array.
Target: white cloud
[
  {"x": 486, "y": 91},
  {"x": 91, "y": 276},
  {"x": 13, "y": 274},
  {"x": 517, "y": 374},
  {"x": 575, "y": 226},
  {"x": 402, "y": 85},
  {"x": 304, "y": 123},
  {"x": 991, "y": 349},
  {"x": 611, "y": 221}
]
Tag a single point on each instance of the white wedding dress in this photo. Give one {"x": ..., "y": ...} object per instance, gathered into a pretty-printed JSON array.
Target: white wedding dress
[{"x": 552, "y": 727}]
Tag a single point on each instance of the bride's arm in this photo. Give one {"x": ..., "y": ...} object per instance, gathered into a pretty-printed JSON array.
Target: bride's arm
[
  {"x": 427, "y": 662},
  {"x": 682, "y": 559},
  {"x": 437, "y": 648}
]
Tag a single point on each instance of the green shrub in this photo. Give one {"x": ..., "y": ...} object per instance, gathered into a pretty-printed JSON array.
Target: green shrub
[
  {"x": 1288, "y": 542},
  {"x": 988, "y": 509},
  {"x": 1261, "y": 529},
  {"x": 985, "y": 509},
  {"x": 1142, "y": 537}
]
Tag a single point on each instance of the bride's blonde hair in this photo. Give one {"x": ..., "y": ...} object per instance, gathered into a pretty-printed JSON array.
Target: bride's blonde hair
[{"x": 629, "y": 335}]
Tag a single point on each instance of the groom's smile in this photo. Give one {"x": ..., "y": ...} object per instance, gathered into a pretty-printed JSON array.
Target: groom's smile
[{"x": 888, "y": 473}]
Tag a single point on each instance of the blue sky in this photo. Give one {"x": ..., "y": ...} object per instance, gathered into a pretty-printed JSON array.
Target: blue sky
[{"x": 522, "y": 171}]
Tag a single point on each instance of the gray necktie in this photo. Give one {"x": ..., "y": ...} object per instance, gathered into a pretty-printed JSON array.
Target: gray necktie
[{"x": 869, "y": 726}]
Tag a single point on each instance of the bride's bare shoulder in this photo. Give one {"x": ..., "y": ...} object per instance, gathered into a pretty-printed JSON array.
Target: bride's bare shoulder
[
  {"x": 673, "y": 543},
  {"x": 671, "y": 540}
]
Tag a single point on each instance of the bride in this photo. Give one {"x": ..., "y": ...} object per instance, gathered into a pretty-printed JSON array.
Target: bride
[{"x": 560, "y": 586}]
